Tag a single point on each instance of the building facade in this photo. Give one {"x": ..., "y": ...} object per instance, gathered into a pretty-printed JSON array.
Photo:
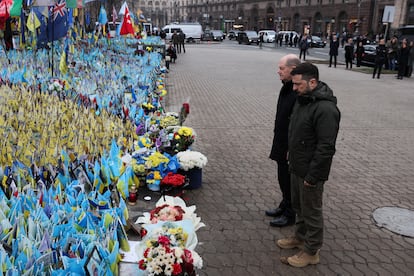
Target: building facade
[{"x": 314, "y": 16}]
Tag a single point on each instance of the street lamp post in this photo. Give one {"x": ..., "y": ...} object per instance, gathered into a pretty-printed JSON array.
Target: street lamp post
[{"x": 358, "y": 16}]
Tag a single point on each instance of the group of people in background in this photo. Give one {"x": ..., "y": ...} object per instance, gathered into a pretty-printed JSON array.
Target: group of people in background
[
  {"x": 393, "y": 55},
  {"x": 177, "y": 45}
]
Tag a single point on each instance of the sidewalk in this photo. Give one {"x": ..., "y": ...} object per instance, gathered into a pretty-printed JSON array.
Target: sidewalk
[{"x": 232, "y": 94}]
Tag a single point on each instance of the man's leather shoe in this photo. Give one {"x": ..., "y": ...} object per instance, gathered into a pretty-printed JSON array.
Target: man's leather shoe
[
  {"x": 282, "y": 221},
  {"x": 274, "y": 212}
]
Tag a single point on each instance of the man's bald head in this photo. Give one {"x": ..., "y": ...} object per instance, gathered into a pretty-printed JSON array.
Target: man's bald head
[{"x": 286, "y": 64}]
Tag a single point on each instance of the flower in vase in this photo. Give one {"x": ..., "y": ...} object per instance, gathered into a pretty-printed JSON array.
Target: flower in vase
[
  {"x": 183, "y": 138},
  {"x": 191, "y": 159}
]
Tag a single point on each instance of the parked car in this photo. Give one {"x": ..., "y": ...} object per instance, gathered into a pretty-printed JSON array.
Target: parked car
[
  {"x": 216, "y": 35},
  {"x": 248, "y": 37},
  {"x": 232, "y": 34},
  {"x": 268, "y": 35},
  {"x": 316, "y": 42},
  {"x": 368, "y": 58}
]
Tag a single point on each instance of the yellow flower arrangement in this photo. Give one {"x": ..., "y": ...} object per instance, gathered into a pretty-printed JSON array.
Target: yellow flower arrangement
[{"x": 183, "y": 138}]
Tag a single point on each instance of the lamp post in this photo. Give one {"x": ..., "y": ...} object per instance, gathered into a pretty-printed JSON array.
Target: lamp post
[{"x": 358, "y": 15}]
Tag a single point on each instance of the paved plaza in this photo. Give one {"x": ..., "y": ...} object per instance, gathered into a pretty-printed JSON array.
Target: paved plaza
[{"x": 232, "y": 93}]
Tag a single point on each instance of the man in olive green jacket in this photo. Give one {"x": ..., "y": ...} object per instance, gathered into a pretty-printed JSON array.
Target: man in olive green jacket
[{"x": 313, "y": 129}]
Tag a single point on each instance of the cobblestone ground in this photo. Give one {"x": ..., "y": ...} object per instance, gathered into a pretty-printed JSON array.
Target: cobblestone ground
[{"x": 232, "y": 94}]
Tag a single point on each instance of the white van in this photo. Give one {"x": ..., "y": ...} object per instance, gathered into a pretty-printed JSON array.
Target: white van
[
  {"x": 268, "y": 35},
  {"x": 192, "y": 31}
]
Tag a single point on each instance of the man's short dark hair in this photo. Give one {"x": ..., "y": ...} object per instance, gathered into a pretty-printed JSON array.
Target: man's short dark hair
[{"x": 307, "y": 70}]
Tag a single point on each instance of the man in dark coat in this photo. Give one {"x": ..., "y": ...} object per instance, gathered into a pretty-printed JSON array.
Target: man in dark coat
[
  {"x": 313, "y": 128},
  {"x": 182, "y": 40},
  {"x": 284, "y": 214},
  {"x": 333, "y": 50}
]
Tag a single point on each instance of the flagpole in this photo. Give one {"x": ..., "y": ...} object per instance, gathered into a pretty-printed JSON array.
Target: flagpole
[{"x": 53, "y": 39}]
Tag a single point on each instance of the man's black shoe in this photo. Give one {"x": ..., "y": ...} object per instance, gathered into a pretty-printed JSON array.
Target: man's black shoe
[
  {"x": 274, "y": 212},
  {"x": 282, "y": 221}
]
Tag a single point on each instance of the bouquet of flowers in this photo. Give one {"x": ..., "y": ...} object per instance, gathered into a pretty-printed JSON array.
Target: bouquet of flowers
[
  {"x": 166, "y": 213},
  {"x": 173, "y": 179},
  {"x": 169, "y": 119},
  {"x": 183, "y": 138},
  {"x": 191, "y": 159},
  {"x": 171, "y": 208},
  {"x": 55, "y": 87},
  {"x": 166, "y": 254}
]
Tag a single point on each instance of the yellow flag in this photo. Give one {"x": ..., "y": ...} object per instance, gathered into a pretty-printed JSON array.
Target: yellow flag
[
  {"x": 63, "y": 66},
  {"x": 32, "y": 22}
]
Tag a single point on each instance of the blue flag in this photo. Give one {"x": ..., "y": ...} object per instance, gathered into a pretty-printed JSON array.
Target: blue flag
[
  {"x": 102, "y": 18},
  {"x": 58, "y": 21}
]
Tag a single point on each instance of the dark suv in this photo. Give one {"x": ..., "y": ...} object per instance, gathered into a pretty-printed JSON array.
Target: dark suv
[{"x": 248, "y": 37}]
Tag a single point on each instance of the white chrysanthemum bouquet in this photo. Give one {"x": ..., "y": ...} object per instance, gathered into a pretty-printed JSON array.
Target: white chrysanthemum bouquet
[{"x": 191, "y": 159}]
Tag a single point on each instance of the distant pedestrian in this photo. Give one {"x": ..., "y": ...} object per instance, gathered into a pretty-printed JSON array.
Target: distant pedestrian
[
  {"x": 360, "y": 51},
  {"x": 403, "y": 56},
  {"x": 182, "y": 41},
  {"x": 172, "y": 53},
  {"x": 163, "y": 34},
  {"x": 295, "y": 41},
  {"x": 333, "y": 50},
  {"x": 392, "y": 47},
  {"x": 380, "y": 58},
  {"x": 411, "y": 59},
  {"x": 261, "y": 40},
  {"x": 313, "y": 129},
  {"x": 303, "y": 47},
  {"x": 280, "y": 38},
  {"x": 176, "y": 41},
  {"x": 349, "y": 53}
]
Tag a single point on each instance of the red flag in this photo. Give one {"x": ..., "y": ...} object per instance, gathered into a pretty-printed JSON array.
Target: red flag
[{"x": 126, "y": 27}]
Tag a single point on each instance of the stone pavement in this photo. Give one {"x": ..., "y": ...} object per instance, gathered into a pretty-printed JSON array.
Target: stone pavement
[{"x": 232, "y": 93}]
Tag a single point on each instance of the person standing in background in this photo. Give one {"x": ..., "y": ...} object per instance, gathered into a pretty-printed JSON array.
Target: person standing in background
[
  {"x": 303, "y": 47},
  {"x": 333, "y": 49},
  {"x": 349, "y": 53},
  {"x": 176, "y": 41},
  {"x": 411, "y": 59},
  {"x": 359, "y": 53},
  {"x": 403, "y": 56},
  {"x": 182, "y": 41},
  {"x": 380, "y": 58},
  {"x": 392, "y": 47}
]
